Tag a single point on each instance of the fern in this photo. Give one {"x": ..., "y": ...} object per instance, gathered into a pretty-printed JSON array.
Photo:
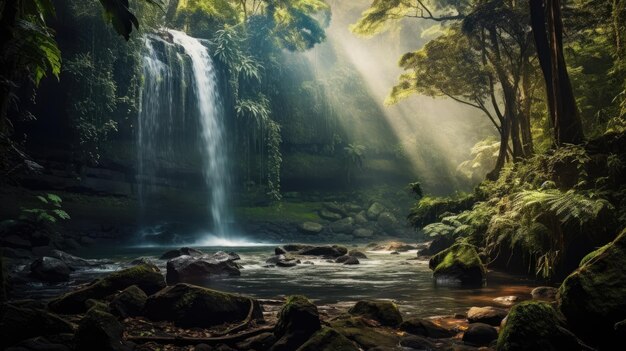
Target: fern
[{"x": 566, "y": 206}]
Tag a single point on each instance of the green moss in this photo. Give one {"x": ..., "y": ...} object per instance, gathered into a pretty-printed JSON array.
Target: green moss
[
  {"x": 534, "y": 325},
  {"x": 385, "y": 312},
  {"x": 146, "y": 276},
  {"x": 429, "y": 209},
  {"x": 328, "y": 339},
  {"x": 590, "y": 256},
  {"x": 281, "y": 212},
  {"x": 461, "y": 254},
  {"x": 357, "y": 330},
  {"x": 593, "y": 298},
  {"x": 298, "y": 314}
]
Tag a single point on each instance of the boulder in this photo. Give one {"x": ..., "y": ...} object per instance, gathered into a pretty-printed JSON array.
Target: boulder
[
  {"x": 330, "y": 216},
  {"x": 70, "y": 260},
  {"x": 424, "y": 327},
  {"x": 351, "y": 261},
  {"x": 357, "y": 254},
  {"x": 384, "y": 312},
  {"x": 335, "y": 208},
  {"x": 279, "y": 251},
  {"x": 535, "y": 325},
  {"x": 415, "y": 342},
  {"x": 331, "y": 251},
  {"x": 593, "y": 298},
  {"x": 260, "y": 342},
  {"x": 374, "y": 211},
  {"x": 192, "y": 269},
  {"x": 20, "y": 323},
  {"x": 345, "y": 225},
  {"x": 360, "y": 218},
  {"x": 480, "y": 334},
  {"x": 286, "y": 264},
  {"x": 507, "y": 300},
  {"x": 342, "y": 259},
  {"x": 365, "y": 333},
  {"x": 296, "y": 247},
  {"x": 147, "y": 277},
  {"x": 129, "y": 303},
  {"x": 439, "y": 243},
  {"x": 194, "y": 306},
  {"x": 544, "y": 293},
  {"x": 352, "y": 207},
  {"x": 363, "y": 233},
  {"x": 298, "y": 320},
  {"x": 487, "y": 315},
  {"x": 183, "y": 251},
  {"x": 394, "y": 246},
  {"x": 387, "y": 221},
  {"x": 328, "y": 339},
  {"x": 458, "y": 264},
  {"x": 310, "y": 227},
  {"x": 50, "y": 269},
  {"x": 100, "y": 331}
]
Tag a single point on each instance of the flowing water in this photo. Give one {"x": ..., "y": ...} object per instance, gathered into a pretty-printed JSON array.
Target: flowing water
[
  {"x": 180, "y": 83},
  {"x": 382, "y": 276}
]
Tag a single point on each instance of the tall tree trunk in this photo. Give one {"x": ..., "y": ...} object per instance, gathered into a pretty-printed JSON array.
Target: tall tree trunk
[
  {"x": 547, "y": 26},
  {"x": 526, "y": 108},
  {"x": 503, "y": 151}
]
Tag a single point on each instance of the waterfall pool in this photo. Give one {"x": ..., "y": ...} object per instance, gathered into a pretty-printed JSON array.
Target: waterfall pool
[{"x": 400, "y": 278}]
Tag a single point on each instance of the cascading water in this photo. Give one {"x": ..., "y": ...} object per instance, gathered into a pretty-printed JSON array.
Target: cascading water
[{"x": 180, "y": 81}]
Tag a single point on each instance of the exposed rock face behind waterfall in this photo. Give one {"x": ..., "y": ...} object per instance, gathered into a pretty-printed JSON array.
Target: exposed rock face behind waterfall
[{"x": 180, "y": 95}]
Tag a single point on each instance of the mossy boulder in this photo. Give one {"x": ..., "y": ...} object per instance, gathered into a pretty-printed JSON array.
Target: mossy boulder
[
  {"x": 310, "y": 227},
  {"x": 297, "y": 321},
  {"x": 345, "y": 225},
  {"x": 593, "y": 298},
  {"x": 375, "y": 210},
  {"x": 129, "y": 303},
  {"x": 100, "y": 331},
  {"x": 459, "y": 263},
  {"x": 535, "y": 325},
  {"x": 194, "y": 306},
  {"x": 190, "y": 269},
  {"x": 364, "y": 333},
  {"x": 146, "y": 277},
  {"x": 424, "y": 327},
  {"x": 328, "y": 339},
  {"x": 18, "y": 323},
  {"x": 384, "y": 312}
]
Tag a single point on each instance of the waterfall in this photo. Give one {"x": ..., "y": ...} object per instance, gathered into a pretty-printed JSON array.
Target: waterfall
[{"x": 180, "y": 84}]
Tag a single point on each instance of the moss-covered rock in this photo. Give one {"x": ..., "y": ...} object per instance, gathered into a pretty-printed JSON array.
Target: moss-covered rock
[
  {"x": 129, "y": 303},
  {"x": 194, "y": 306},
  {"x": 328, "y": 339},
  {"x": 460, "y": 264},
  {"x": 145, "y": 276},
  {"x": 100, "y": 331},
  {"x": 17, "y": 323},
  {"x": 385, "y": 312},
  {"x": 593, "y": 298},
  {"x": 297, "y": 321},
  {"x": 480, "y": 334},
  {"x": 364, "y": 333},
  {"x": 535, "y": 325}
]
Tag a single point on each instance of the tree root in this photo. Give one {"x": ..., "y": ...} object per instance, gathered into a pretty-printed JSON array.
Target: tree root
[{"x": 185, "y": 341}]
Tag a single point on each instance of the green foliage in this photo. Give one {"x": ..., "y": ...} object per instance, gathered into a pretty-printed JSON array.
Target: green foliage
[
  {"x": 49, "y": 213},
  {"x": 117, "y": 12},
  {"x": 354, "y": 155},
  {"x": 484, "y": 155},
  {"x": 416, "y": 189},
  {"x": 430, "y": 209}
]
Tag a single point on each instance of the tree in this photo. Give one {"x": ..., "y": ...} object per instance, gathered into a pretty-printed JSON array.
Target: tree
[
  {"x": 486, "y": 64},
  {"x": 28, "y": 48},
  {"x": 547, "y": 27}
]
